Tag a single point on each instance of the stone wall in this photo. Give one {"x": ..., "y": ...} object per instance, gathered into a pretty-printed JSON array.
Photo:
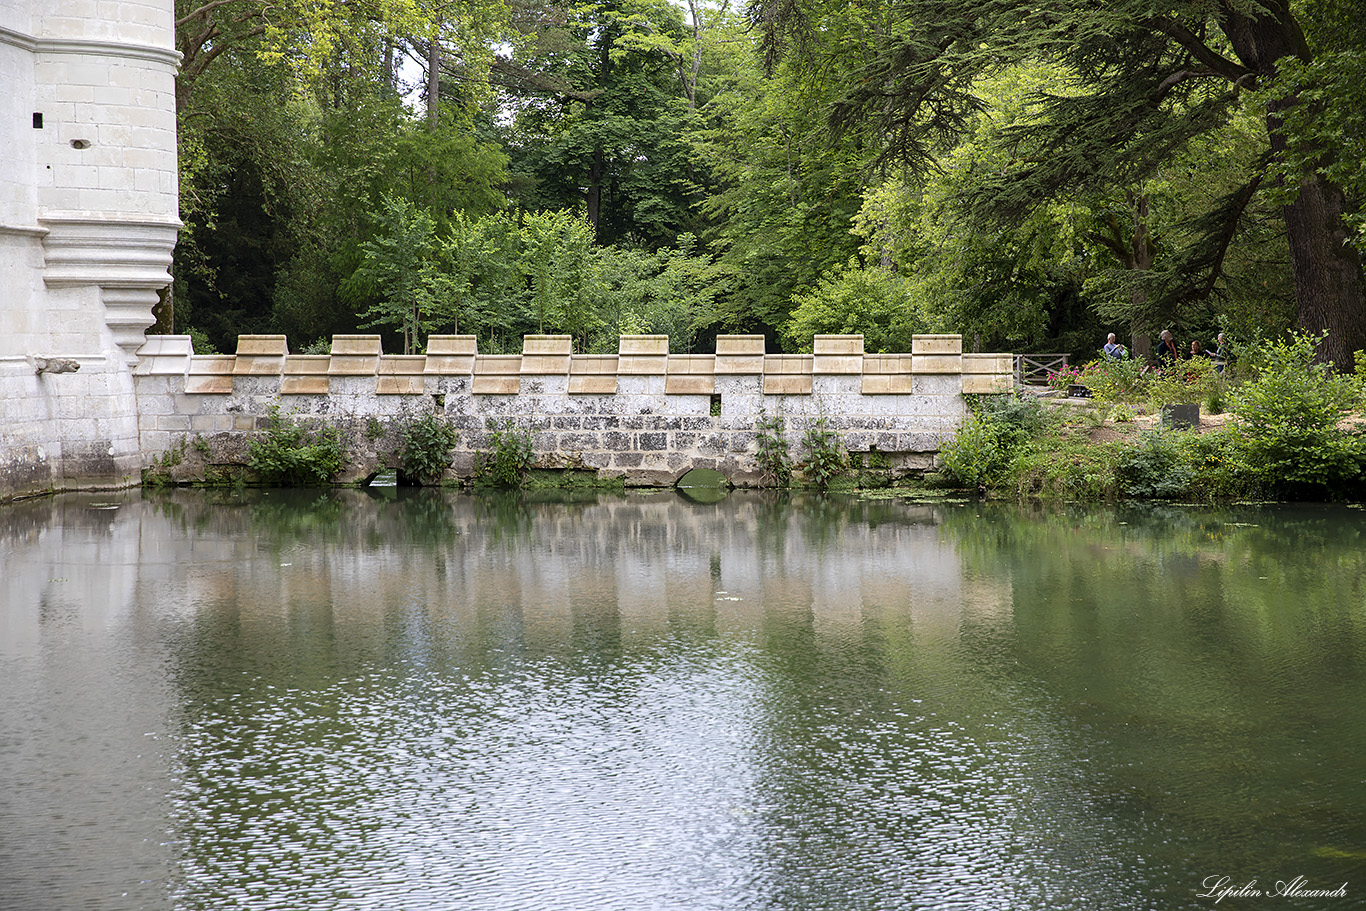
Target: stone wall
[
  {"x": 643, "y": 414},
  {"x": 88, "y": 203}
]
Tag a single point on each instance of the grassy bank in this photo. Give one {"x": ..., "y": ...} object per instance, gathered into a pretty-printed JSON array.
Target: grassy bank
[{"x": 1280, "y": 426}]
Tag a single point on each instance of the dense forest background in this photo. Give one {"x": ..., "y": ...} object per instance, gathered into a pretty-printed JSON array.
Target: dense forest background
[{"x": 1031, "y": 175}]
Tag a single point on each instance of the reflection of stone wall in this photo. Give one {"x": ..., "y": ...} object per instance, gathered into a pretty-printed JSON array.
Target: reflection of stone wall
[
  {"x": 643, "y": 414},
  {"x": 443, "y": 559}
]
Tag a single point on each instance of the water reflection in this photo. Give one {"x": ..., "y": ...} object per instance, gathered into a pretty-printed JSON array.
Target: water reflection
[{"x": 419, "y": 699}]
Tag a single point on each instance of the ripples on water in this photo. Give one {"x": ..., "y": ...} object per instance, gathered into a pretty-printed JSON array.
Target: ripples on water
[{"x": 438, "y": 701}]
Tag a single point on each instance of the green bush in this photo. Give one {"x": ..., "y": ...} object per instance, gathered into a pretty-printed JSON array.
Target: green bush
[
  {"x": 826, "y": 458},
  {"x": 1063, "y": 468},
  {"x": 775, "y": 464},
  {"x": 1290, "y": 411},
  {"x": 293, "y": 455},
  {"x": 977, "y": 456},
  {"x": 1113, "y": 381},
  {"x": 510, "y": 458},
  {"x": 427, "y": 445},
  {"x": 988, "y": 439},
  {"x": 1155, "y": 468}
]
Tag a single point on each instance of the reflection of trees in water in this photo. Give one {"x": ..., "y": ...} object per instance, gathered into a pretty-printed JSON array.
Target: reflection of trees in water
[{"x": 1201, "y": 648}]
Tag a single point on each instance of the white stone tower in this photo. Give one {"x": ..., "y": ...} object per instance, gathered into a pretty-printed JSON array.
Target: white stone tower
[{"x": 88, "y": 220}]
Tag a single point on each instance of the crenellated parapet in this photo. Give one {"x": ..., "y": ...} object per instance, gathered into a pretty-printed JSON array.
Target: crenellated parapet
[
  {"x": 643, "y": 413},
  {"x": 358, "y": 362}
]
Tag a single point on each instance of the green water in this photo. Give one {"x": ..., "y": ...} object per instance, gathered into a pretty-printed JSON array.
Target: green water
[{"x": 428, "y": 700}]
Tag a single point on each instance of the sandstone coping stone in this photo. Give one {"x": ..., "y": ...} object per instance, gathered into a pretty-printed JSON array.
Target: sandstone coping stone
[
  {"x": 451, "y": 355},
  {"x": 642, "y": 355},
  {"x": 305, "y": 374},
  {"x": 787, "y": 374},
  {"x": 690, "y": 374},
  {"x": 593, "y": 374},
  {"x": 937, "y": 363},
  {"x": 740, "y": 354},
  {"x": 837, "y": 354},
  {"x": 355, "y": 355},
  {"x": 210, "y": 374},
  {"x": 987, "y": 383},
  {"x": 260, "y": 355},
  {"x": 546, "y": 354},
  {"x": 164, "y": 355},
  {"x": 988, "y": 363},
  {"x": 401, "y": 374},
  {"x": 936, "y": 344},
  {"x": 886, "y": 374},
  {"x": 497, "y": 374}
]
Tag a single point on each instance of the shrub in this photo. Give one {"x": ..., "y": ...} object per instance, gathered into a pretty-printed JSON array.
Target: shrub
[
  {"x": 1064, "y": 468},
  {"x": 507, "y": 463},
  {"x": 977, "y": 456},
  {"x": 1290, "y": 412},
  {"x": 775, "y": 464},
  {"x": 427, "y": 445},
  {"x": 826, "y": 458},
  {"x": 292, "y": 455},
  {"x": 1154, "y": 468},
  {"x": 1113, "y": 381}
]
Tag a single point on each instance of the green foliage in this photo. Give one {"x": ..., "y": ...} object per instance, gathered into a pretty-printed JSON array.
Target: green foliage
[
  {"x": 1113, "y": 381},
  {"x": 826, "y": 458},
  {"x": 427, "y": 445},
  {"x": 510, "y": 456},
  {"x": 775, "y": 463},
  {"x": 854, "y": 301},
  {"x": 977, "y": 455},
  {"x": 1155, "y": 468},
  {"x": 1064, "y": 468},
  {"x": 989, "y": 439},
  {"x": 1289, "y": 413},
  {"x": 294, "y": 455}
]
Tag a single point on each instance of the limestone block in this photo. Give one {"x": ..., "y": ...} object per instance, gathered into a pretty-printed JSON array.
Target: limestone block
[
  {"x": 497, "y": 374},
  {"x": 546, "y": 354},
  {"x": 451, "y": 355},
  {"x": 938, "y": 384},
  {"x": 937, "y": 364},
  {"x": 305, "y": 374},
  {"x": 164, "y": 355},
  {"x": 593, "y": 374},
  {"x": 838, "y": 388},
  {"x": 936, "y": 344},
  {"x": 260, "y": 355},
  {"x": 837, "y": 354},
  {"x": 643, "y": 355},
  {"x": 210, "y": 374},
  {"x": 987, "y": 384},
  {"x": 887, "y": 384},
  {"x": 401, "y": 374},
  {"x": 355, "y": 355},
  {"x": 635, "y": 386},
  {"x": 988, "y": 363},
  {"x": 739, "y": 354}
]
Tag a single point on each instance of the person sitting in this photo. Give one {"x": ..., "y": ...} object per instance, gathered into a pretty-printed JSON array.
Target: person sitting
[
  {"x": 1197, "y": 351},
  {"x": 1114, "y": 351}
]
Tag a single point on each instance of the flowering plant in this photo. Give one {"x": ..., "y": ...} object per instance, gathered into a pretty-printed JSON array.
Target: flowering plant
[{"x": 1064, "y": 377}]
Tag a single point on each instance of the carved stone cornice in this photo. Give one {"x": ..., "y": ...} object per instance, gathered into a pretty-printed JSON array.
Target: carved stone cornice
[{"x": 128, "y": 259}]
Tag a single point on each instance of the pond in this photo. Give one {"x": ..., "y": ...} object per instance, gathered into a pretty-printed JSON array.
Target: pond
[{"x": 418, "y": 699}]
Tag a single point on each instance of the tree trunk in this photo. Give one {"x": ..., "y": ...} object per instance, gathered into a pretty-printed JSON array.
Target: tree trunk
[{"x": 1326, "y": 269}]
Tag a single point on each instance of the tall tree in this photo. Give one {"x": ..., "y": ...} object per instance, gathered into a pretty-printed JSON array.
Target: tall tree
[{"x": 1151, "y": 76}]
